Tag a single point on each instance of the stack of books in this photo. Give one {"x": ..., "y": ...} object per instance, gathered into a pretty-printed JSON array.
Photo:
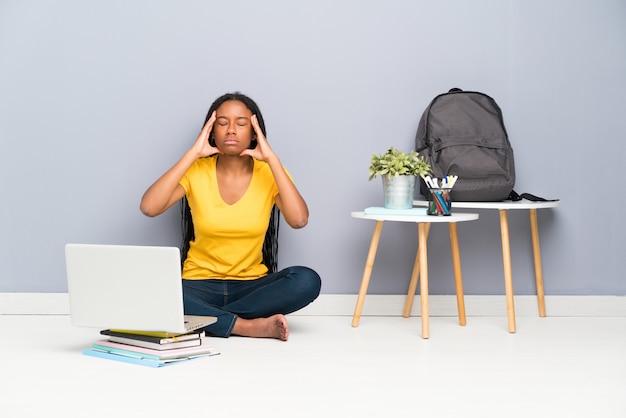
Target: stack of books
[{"x": 148, "y": 348}]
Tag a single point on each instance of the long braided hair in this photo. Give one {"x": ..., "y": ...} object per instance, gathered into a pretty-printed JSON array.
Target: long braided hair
[{"x": 270, "y": 244}]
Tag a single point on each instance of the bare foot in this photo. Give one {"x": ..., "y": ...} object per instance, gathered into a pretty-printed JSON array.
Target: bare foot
[{"x": 272, "y": 327}]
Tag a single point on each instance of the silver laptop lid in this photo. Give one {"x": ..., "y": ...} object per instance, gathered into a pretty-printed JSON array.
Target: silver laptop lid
[{"x": 125, "y": 287}]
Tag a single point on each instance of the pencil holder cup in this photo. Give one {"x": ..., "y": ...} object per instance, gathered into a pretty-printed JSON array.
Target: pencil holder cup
[{"x": 439, "y": 203}]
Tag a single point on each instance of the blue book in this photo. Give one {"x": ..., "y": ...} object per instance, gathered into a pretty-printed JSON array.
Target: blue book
[
  {"x": 141, "y": 352},
  {"x": 134, "y": 359},
  {"x": 402, "y": 212}
]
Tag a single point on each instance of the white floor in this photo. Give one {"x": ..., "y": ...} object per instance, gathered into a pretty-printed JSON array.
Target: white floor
[{"x": 552, "y": 367}]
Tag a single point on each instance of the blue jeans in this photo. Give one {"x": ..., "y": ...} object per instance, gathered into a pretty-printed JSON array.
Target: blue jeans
[{"x": 282, "y": 292}]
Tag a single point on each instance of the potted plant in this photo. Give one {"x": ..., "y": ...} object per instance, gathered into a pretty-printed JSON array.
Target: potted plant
[{"x": 399, "y": 171}]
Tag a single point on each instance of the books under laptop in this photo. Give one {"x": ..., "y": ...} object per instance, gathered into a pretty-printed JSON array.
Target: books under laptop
[{"x": 126, "y": 287}]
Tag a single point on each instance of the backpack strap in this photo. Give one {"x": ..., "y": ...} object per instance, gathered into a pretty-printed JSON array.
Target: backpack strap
[{"x": 516, "y": 197}]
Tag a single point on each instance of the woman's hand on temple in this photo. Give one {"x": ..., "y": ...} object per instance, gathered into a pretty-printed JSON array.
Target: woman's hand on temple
[
  {"x": 263, "y": 151},
  {"x": 202, "y": 147}
]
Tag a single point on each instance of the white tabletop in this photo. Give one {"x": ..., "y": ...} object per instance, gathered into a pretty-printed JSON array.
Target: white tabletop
[
  {"x": 507, "y": 204},
  {"x": 455, "y": 217}
]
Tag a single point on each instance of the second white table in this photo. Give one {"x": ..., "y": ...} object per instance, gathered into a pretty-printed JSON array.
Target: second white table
[{"x": 503, "y": 208}]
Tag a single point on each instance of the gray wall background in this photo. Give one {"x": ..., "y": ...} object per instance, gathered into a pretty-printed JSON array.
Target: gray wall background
[{"x": 98, "y": 99}]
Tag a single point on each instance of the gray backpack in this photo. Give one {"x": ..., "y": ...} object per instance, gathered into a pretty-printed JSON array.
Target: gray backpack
[{"x": 462, "y": 133}]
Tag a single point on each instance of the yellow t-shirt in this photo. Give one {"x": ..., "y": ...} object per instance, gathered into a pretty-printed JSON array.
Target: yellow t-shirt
[{"x": 228, "y": 238}]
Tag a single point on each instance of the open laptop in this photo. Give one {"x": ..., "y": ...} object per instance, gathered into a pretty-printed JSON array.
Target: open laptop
[{"x": 128, "y": 288}]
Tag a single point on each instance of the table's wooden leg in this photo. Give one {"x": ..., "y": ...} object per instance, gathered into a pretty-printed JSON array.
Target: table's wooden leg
[
  {"x": 423, "y": 255},
  {"x": 367, "y": 272},
  {"x": 458, "y": 278},
  {"x": 534, "y": 231},
  {"x": 415, "y": 274},
  {"x": 508, "y": 274}
]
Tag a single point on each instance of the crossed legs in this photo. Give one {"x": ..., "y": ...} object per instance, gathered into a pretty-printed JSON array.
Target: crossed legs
[{"x": 252, "y": 308}]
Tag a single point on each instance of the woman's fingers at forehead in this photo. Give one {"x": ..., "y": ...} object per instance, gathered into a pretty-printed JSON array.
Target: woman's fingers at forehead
[
  {"x": 209, "y": 123},
  {"x": 255, "y": 123}
]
